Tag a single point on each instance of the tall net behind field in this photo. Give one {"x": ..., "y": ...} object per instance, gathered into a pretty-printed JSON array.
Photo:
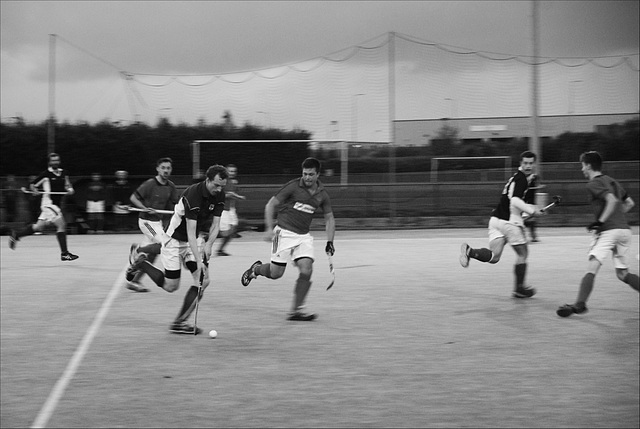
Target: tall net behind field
[{"x": 347, "y": 94}]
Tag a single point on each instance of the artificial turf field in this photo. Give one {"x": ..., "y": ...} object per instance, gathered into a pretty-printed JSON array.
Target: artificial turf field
[{"x": 405, "y": 338}]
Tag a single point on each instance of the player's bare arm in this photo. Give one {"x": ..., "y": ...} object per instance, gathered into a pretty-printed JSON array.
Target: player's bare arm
[
  {"x": 136, "y": 202},
  {"x": 192, "y": 238},
  {"x": 627, "y": 204},
  {"x": 67, "y": 186},
  {"x": 269, "y": 213}
]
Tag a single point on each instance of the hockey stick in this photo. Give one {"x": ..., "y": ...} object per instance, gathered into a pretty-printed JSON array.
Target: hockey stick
[
  {"x": 332, "y": 271},
  {"x": 27, "y": 191},
  {"x": 136, "y": 209},
  {"x": 195, "y": 316},
  {"x": 556, "y": 202}
]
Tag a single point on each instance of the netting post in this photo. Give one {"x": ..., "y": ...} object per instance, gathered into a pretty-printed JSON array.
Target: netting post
[
  {"x": 195, "y": 158},
  {"x": 344, "y": 163}
]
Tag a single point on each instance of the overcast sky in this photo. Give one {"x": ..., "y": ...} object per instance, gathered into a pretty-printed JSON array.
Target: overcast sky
[{"x": 190, "y": 37}]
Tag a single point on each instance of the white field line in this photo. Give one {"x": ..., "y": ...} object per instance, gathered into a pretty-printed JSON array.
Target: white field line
[{"x": 58, "y": 390}]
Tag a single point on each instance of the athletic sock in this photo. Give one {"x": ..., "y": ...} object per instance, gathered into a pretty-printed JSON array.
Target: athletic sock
[
  {"x": 153, "y": 272},
  {"x": 303, "y": 284},
  {"x": 28, "y": 230},
  {"x": 188, "y": 305},
  {"x": 263, "y": 270},
  {"x": 520, "y": 272},
  {"x": 482, "y": 255},
  {"x": 631, "y": 280},
  {"x": 586, "y": 286},
  {"x": 226, "y": 239},
  {"x": 150, "y": 258},
  {"x": 62, "y": 241}
]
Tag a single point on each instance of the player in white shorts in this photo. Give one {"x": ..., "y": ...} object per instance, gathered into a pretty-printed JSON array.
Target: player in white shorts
[
  {"x": 197, "y": 205},
  {"x": 611, "y": 231},
  {"x": 157, "y": 193},
  {"x": 53, "y": 183},
  {"x": 296, "y": 203},
  {"x": 229, "y": 218},
  {"x": 507, "y": 226}
]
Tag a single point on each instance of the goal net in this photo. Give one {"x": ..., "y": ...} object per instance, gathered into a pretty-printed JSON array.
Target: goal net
[{"x": 454, "y": 165}]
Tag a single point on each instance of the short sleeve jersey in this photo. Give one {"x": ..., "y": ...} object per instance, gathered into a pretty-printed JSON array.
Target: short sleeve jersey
[
  {"x": 52, "y": 180},
  {"x": 298, "y": 205},
  {"x": 155, "y": 195},
  {"x": 198, "y": 204},
  {"x": 516, "y": 186},
  {"x": 598, "y": 188}
]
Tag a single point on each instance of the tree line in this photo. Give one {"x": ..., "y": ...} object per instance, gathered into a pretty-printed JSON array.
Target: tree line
[{"x": 105, "y": 147}]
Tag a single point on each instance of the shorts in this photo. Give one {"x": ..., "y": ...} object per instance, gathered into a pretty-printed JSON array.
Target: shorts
[
  {"x": 513, "y": 233},
  {"x": 228, "y": 219},
  {"x": 153, "y": 231},
  {"x": 612, "y": 241},
  {"x": 50, "y": 213},
  {"x": 174, "y": 254},
  {"x": 95, "y": 206},
  {"x": 288, "y": 245}
]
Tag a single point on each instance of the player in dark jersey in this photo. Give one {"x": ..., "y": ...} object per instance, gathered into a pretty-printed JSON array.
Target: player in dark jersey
[
  {"x": 611, "y": 231},
  {"x": 157, "y": 193},
  {"x": 197, "y": 204},
  {"x": 54, "y": 179},
  {"x": 506, "y": 226},
  {"x": 296, "y": 203}
]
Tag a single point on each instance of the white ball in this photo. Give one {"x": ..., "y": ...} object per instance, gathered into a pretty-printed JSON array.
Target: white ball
[{"x": 213, "y": 333}]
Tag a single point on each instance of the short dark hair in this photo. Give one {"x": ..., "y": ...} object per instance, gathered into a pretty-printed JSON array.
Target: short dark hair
[
  {"x": 311, "y": 163},
  {"x": 593, "y": 158},
  {"x": 163, "y": 160},
  {"x": 527, "y": 154},
  {"x": 217, "y": 170},
  {"x": 53, "y": 155}
]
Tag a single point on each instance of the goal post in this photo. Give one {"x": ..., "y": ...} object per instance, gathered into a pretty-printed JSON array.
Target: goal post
[
  {"x": 311, "y": 145},
  {"x": 435, "y": 162}
]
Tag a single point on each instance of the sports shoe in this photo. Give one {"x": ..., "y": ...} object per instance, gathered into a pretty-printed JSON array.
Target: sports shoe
[
  {"x": 184, "y": 328},
  {"x": 302, "y": 317},
  {"x": 223, "y": 253},
  {"x": 133, "y": 269},
  {"x": 135, "y": 286},
  {"x": 68, "y": 256},
  {"x": 250, "y": 274},
  {"x": 524, "y": 292},
  {"x": 133, "y": 253},
  {"x": 568, "y": 309},
  {"x": 13, "y": 239},
  {"x": 464, "y": 255}
]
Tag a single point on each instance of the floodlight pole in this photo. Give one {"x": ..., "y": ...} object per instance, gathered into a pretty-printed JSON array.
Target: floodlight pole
[
  {"x": 51, "y": 126},
  {"x": 534, "y": 144},
  {"x": 392, "y": 114}
]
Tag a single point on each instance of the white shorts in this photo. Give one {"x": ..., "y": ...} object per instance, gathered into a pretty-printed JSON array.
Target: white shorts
[
  {"x": 50, "y": 213},
  {"x": 513, "y": 233},
  {"x": 153, "y": 231},
  {"x": 95, "y": 206},
  {"x": 228, "y": 219},
  {"x": 614, "y": 242},
  {"x": 174, "y": 254},
  {"x": 287, "y": 245}
]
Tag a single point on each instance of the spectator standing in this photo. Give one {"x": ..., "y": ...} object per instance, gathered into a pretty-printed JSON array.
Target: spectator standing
[
  {"x": 96, "y": 202},
  {"x": 120, "y": 192}
]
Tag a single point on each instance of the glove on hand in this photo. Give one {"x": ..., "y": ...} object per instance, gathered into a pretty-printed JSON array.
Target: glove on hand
[
  {"x": 329, "y": 248},
  {"x": 595, "y": 227}
]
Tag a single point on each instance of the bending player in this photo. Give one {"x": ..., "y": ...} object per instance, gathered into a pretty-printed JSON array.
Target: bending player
[
  {"x": 296, "y": 202},
  {"x": 157, "y": 193},
  {"x": 506, "y": 226},
  {"x": 54, "y": 179},
  {"x": 198, "y": 203},
  {"x": 612, "y": 234}
]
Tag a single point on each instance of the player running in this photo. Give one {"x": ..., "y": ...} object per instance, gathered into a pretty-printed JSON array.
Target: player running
[
  {"x": 296, "y": 202},
  {"x": 506, "y": 226},
  {"x": 612, "y": 234},
  {"x": 54, "y": 179},
  {"x": 157, "y": 193},
  {"x": 198, "y": 203}
]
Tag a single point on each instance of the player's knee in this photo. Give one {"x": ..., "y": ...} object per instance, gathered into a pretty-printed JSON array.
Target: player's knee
[
  {"x": 621, "y": 274},
  {"x": 171, "y": 285}
]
